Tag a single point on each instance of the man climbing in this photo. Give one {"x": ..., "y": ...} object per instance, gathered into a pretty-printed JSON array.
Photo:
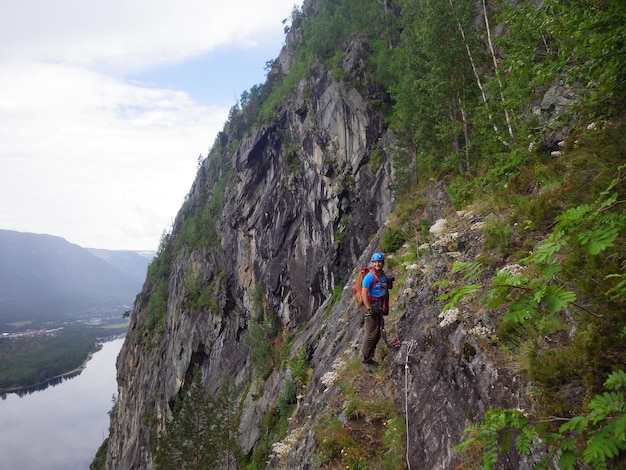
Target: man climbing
[{"x": 375, "y": 294}]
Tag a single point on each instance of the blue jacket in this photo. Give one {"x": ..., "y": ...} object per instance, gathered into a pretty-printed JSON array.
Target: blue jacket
[{"x": 378, "y": 289}]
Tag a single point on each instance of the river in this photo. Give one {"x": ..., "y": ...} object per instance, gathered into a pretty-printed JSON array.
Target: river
[{"x": 61, "y": 427}]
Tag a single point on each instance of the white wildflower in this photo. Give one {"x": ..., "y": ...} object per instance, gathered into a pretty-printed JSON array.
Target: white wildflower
[
  {"x": 338, "y": 364},
  {"x": 329, "y": 378},
  {"x": 479, "y": 331},
  {"x": 514, "y": 269},
  {"x": 438, "y": 227},
  {"x": 282, "y": 448},
  {"x": 448, "y": 317},
  {"x": 279, "y": 448},
  {"x": 591, "y": 126},
  {"x": 465, "y": 214},
  {"x": 446, "y": 239},
  {"x": 556, "y": 153}
]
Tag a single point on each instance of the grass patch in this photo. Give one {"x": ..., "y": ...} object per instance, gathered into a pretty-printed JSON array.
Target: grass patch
[{"x": 370, "y": 432}]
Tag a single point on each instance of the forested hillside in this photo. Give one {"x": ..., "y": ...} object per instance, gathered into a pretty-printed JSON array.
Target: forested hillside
[{"x": 481, "y": 146}]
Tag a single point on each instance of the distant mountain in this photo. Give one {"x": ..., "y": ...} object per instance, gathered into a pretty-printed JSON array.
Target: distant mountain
[
  {"x": 47, "y": 278},
  {"x": 133, "y": 263}
]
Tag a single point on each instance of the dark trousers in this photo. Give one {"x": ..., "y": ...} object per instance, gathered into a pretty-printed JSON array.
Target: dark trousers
[{"x": 372, "y": 326}]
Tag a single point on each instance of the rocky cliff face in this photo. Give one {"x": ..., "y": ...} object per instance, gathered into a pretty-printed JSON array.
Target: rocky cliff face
[
  {"x": 289, "y": 215},
  {"x": 443, "y": 373},
  {"x": 305, "y": 203}
]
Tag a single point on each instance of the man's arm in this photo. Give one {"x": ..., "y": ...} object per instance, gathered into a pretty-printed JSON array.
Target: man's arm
[{"x": 366, "y": 297}]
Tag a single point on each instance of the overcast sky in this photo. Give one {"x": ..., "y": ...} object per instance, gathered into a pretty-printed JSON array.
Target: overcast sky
[{"x": 105, "y": 106}]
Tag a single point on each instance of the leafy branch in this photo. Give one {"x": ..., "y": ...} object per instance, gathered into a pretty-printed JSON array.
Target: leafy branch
[
  {"x": 533, "y": 291},
  {"x": 595, "y": 438},
  {"x": 534, "y": 294}
]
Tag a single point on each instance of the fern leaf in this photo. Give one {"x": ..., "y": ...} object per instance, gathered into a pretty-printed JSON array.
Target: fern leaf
[
  {"x": 616, "y": 380},
  {"x": 545, "y": 252},
  {"x": 540, "y": 293},
  {"x": 610, "y": 197},
  {"x": 516, "y": 316},
  {"x": 521, "y": 310},
  {"x": 577, "y": 423},
  {"x": 618, "y": 291},
  {"x": 600, "y": 238},
  {"x": 470, "y": 270},
  {"x": 606, "y": 404},
  {"x": 457, "y": 294},
  {"x": 442, "y": 283},
  {"x": 465, "y": 444},
  {"x": 574, "y": 215},
  {"x": 490, "y": 455},
  {"x": 567, "y": 460},
  {"x": 600, "y": 447},
  {"x": 619, "y": 428},
  {"x": 523, "y": 442},
  {"x": 550, "y": 270},
  {"x": 558, "y": 298}
]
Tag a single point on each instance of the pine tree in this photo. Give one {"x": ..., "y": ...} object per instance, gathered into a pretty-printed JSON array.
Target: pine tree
[{"x": 189, "y": 440}]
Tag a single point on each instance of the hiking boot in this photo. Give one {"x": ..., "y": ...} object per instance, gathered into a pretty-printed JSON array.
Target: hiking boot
[{"x": 371, "y": 362}]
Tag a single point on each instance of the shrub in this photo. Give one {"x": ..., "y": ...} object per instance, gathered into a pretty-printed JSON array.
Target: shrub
[{"x": 393, "y": 239}]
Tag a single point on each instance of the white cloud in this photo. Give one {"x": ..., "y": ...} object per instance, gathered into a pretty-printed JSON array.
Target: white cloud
[
  {"x": 82, "y": 153},
  {"x": 131, "y": 34},
  {"x": 88, "y": 154}
]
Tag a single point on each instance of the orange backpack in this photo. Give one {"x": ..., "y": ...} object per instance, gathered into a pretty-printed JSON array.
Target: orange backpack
[{"x": 358, "y": 282}]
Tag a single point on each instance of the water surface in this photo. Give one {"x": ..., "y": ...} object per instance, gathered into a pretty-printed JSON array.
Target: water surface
[{"x": 61, "y": 427}]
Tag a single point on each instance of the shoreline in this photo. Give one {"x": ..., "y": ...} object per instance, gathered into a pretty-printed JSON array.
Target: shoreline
[{"x": 72, "y": 372}]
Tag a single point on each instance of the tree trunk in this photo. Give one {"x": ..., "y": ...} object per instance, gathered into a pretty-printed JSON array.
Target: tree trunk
[
  {"x": 475, "y": 71},
  {"x": 496, "y": 68}
]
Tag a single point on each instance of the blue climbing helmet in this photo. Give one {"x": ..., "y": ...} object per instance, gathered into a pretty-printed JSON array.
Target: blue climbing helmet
[{"x": 378, "y": 257}]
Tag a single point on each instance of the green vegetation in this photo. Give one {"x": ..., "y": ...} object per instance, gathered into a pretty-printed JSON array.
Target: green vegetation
[
  {"x": 265, "y": 337},
  {"x": 273, "y": 426},
  {"x": 476, "y": 130},
  {"x": 393, "y": 239},
  {"x": 275, "y": 422},
  {"x": 158, "y": 276},
  {"x": 198, "y": 228},
  {"x": 201, "y": 295},
  {"x": 34, "y": 360},
  {"x": 535, "y": 303},
  {"x": 601, "y": 431},
  {"x": 579, "y": 42},
  {"x": 203, "y": 429},
  {"x": 270, "y": 349},
  {"x": 99, "y": 461},
  {"x": 368, "y": 431},
  {"x": 550, "y": 277}
]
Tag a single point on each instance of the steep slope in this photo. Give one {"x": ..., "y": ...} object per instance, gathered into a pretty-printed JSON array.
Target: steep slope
[
  {"x": 281, "y": 226},
  {"x": 250, "y": 295},
  {"x": 279, "y": 230}
]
